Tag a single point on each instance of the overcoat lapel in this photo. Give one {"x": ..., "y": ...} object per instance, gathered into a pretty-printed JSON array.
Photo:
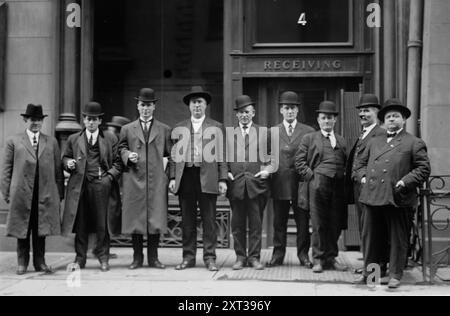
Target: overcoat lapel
[{"x": 27, "y": 144}]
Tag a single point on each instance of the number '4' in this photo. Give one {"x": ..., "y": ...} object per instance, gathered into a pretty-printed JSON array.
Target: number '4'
[{"x": 302, "y": 19}]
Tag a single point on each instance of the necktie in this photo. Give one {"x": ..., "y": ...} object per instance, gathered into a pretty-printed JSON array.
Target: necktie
[
  {"x": 91, "y": 140},
  {"x": 290, "y": 130},
  {"x": 332, "y": 142},
  {"x": 362, "y": 134},
  {"x": 391, "y": 135},
  {"x": 35, "y": 143},
  {"x": 247, "y": 143}
]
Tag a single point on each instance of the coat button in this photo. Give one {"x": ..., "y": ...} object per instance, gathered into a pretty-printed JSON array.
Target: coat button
[
  {"x": 387, "y": 161},
  {"x": 382, "y": 181},
  {"x": 373, "y": 170},
  {"x": 385, "y": 171}
]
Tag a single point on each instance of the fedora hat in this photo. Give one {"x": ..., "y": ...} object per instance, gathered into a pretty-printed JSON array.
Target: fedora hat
[
  {"x": 93, "y": 109},
  {"x": 289, "y": 98},
  {"x": 118, "y": 121},
  {"x": 393, "y": 105},
  {"x": 328, "y": 107},
  {"x": 369, "y": 100},
  {"x": 146, "y": 95},
  {"x": 197, "y": 92},
  {"x": 34, "y": 111},
  {"x": 242, "y": 102}
]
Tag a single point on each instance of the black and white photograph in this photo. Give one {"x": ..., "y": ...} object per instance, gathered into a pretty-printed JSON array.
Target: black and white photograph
[{"x": 225, "y": 154}]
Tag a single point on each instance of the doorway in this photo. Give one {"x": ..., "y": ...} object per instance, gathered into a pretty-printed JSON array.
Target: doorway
[{"x": 165, "y": 45}]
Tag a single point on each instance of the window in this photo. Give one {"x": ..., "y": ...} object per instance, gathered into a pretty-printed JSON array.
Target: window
[{"x": 302, "y": 22}]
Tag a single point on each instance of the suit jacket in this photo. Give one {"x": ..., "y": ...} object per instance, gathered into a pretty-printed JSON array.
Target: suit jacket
[
  {"x": 110, "y": 161},
  {"x": 385, "y": 164},
  {"x": 308, "y": 157},
  {"x": 145, "y": 184},
  {"x": 17, "y": 184},
  {"x": 244, "y": 170},
  {"x": 355, "y": 154},
  {"x": 285, "y": 182},
  {"x": 213, "y": 168}
]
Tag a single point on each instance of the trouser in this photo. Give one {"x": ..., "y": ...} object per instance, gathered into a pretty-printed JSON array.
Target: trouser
[
  {"x": 359, "y": 210},
  {"x": 191, "y": 198},
  {"x": 23, "y": 245},
  {"x": 386, "y": 228},
  {"x": 92, "y": 217},
  {"x": 326, "y": 202},
  {"x": 281, "y": 217},
  {"x": 249, "y": 211},
  {"x": 152, "y": 247}
]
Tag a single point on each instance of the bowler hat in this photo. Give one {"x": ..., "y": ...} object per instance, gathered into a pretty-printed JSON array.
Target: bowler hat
[
  {"x": 198, "y": 92},
  {"x": 242, "y": 102},
  {"x": 146, "y": 95},
  {"x": 369, "y": 100},
  {"x": 118, "y": 121},
  {"x": 328, "y": 107},
  {"x": 393, "y": 105},
  {"x": 289, "y": 98},
  {"x": 34, "y": 111},
  {"x": 93, "y": 109}
]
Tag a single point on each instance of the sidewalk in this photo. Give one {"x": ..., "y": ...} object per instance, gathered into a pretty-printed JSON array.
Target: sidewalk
[{"x": 289, "y": 280}]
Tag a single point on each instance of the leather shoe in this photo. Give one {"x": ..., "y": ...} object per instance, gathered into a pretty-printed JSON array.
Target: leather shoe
[
  {"x": 104, "y": 266},
  {"x": 21, "y": 270},
  {"x": 212, "y": 266},
  {"x": 384, "y": 280},
  {"x": 274, "y": 263},
  {"x": 135, "y": 265},
  {"x": 317, "y": 268},
  {"x": 334, "y": 265},
  {"x": 257, "y": 265},
  {"x": 44, "y": 268},
  {"x": 185, "y": 265},
  {"x": 305, "y": 262},
  {"x": 360, "y": 280},
  {"x": 81, "y": 264},
  {"x": 239, "y": 265},
  {"x": 394, "y": 284},
  {"x": 156, "y": 264}
]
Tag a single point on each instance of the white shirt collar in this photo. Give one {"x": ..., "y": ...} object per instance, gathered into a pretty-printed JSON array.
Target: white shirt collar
[
  {"x": 286, "y": 124},
  {"x": 397, "y": 132},
  {"x": 249, "y": 125},
  {"x": 94, "y": 135},
  {"x": 198, "y": 121},
  {"x": 368, "y": 130},
  {"x": 326, "y": 133},
  {"x": 31, "y": 136},
  {"x": 149, "y": 120}
]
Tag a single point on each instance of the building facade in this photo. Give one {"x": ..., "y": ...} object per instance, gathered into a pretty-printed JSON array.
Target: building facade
[{"x": 63, "y": 53}]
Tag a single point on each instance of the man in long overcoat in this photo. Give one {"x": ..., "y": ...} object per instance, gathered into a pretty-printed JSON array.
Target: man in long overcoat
[
  {"x": 143, "y": 146},
  {"x": 392, "y": 168},
  {"x": 320, "y": 162},
  {"x": 91, "y": 158},
  {"x": 285, "y": 184},
  {"x": 32, "y": 183},
  {"x": 198, "y": 179}
]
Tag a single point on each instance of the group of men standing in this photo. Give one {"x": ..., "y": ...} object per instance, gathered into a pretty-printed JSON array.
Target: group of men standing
[{"x": 308, "y": 171}]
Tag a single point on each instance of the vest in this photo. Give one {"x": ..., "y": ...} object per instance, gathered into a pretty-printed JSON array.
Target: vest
[
  {"x": 93, "y": 160},
  {"x": 196, "y": 149},
  {"x": 332, "y": 164}
]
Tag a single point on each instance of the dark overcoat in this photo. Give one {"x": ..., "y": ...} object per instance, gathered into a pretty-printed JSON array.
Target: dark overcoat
[
  {"x": 357, "y": 150},
  {"x": 17, "y": 183},
  {"x": 77, "y": 149},
  {"x": 145, "y": 184},
  {"x": 384, "y": 164}
]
